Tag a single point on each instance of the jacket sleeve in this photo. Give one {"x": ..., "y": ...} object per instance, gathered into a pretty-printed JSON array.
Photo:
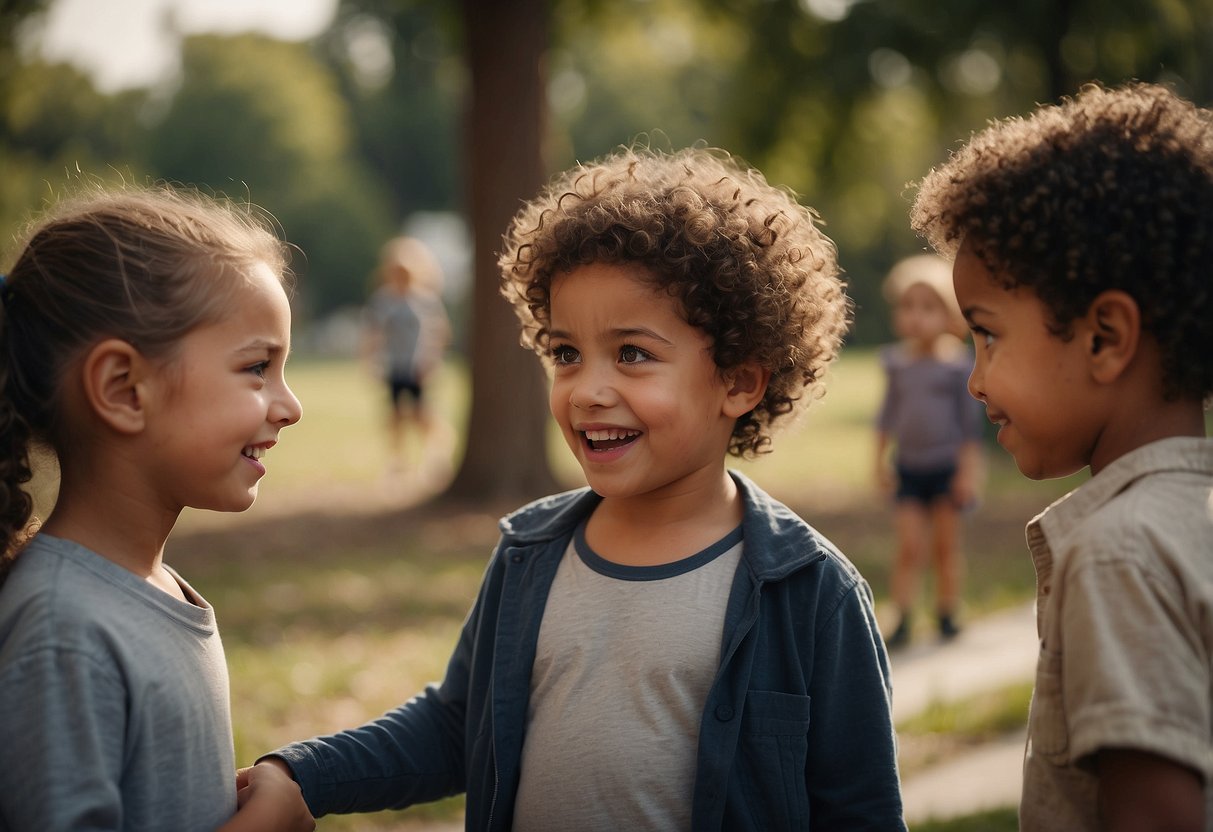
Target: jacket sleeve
[
  {"x": 412, "y": 754},
  {"x": 851, "y": 772}
]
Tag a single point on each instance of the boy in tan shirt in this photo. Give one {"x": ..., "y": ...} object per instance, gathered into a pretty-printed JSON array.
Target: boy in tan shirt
[{"x": 1083, "y": 242}]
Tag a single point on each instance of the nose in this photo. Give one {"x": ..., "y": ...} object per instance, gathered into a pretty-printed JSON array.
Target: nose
[
  {"x": 591, "y": 388},
  {"x": 977, "y": 379},
  {"x": 286, "y": 409}
]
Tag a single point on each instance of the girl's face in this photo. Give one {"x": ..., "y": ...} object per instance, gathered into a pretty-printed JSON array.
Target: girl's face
[
  {"x": 225, "y": 399},
  {"x": 920, "y": 314},
  {"x": 635, "y": 390}
]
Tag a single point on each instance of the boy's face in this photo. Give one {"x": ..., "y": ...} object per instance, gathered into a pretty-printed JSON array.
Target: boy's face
[
  {"x": 1034, "y": 384},
  {"x": 635, "y": 390}
]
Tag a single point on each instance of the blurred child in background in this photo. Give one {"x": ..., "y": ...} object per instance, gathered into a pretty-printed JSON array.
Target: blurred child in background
[
  {"x": 928, "y": 437},
  {"x": 407, "y": 333}
]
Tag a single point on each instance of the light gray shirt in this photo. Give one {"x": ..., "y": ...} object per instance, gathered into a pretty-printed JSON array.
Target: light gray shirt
[
  {"x": 625, "y": 658},
  {"x": 116, "y": 712},
  {"x": 927, "y": 409}
]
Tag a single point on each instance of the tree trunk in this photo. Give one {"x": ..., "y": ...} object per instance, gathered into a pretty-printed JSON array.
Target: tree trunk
[{"x": 506, "y": 457}]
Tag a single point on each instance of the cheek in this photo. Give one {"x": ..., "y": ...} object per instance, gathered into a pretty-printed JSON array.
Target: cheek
[
  {"x": 557, "y": 400},
  {"x": 659, "y": 406}
]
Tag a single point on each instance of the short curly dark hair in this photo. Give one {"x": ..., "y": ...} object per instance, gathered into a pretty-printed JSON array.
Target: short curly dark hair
[
  {"x": 1111, "y": 189},
  {"x": 748, "y": 263}
]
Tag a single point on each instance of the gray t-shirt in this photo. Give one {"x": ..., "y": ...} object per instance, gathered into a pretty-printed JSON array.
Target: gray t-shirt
[
  {"x": 116, "y": 712},
  {"x": 412, "y": 326},
  {"x": 927, "y": 409},
  {"x": 625, "y": 659}
]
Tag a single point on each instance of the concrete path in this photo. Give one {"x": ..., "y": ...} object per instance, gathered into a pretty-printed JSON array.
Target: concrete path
[{"x": 990, "y": 653}]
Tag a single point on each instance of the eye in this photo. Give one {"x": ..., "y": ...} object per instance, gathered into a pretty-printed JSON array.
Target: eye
[
  {"x": 983, "y": 336},
  {"x": 564, "y": 354},
  {"x": 258, "y": 369},
  {"x": 629, "y": 354}
]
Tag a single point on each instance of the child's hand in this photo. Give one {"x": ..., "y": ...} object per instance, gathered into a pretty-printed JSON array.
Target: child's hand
[{"x": 269, "y": 800}]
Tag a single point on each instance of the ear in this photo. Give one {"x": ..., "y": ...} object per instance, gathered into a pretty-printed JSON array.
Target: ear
[
  {"x": 113, "y": 375},
  {"x": 746, "y": 384},
  {"x": 1112, "y": 332}
]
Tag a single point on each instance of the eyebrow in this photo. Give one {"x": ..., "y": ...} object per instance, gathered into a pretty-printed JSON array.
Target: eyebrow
[
  {"x": 621, "y": 332},
  {"x": 258, "y": 344},
  {"x": 969, "y": 311}
]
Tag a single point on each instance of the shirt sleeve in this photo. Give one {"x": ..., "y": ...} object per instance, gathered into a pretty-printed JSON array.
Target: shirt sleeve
[
  {"x": 61, "y": 742},
  {"x": 1134, "y": 670}
]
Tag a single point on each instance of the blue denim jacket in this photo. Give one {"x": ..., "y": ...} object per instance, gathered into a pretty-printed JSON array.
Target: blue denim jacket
[{"x": 796, "y": 733}]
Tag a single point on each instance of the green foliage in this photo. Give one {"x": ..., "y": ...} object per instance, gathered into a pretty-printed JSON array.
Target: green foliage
[
  {"x": 54, "y": 128},
  {"x": 263, "y": 120},
  {"x": 402, "y": 75},
  {"x": 978, "y": 718},
  {"x": 847, "y": 102}
]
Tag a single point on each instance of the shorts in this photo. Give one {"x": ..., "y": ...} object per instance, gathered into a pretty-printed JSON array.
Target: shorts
[
  {"x": 924, "y": 487},
  {"x": 399, "y": 385}
]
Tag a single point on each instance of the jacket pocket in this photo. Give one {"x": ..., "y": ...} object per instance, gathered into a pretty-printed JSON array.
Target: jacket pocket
[{"x": 771, "y": 759}]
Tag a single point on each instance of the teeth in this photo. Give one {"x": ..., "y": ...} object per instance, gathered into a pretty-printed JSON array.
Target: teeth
[
  {"x": 610, "y": 433},
  {"x": 254, "y": 453}
]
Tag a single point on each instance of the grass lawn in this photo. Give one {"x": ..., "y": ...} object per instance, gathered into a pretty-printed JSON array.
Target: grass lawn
[{"x": 338, "y": 599}]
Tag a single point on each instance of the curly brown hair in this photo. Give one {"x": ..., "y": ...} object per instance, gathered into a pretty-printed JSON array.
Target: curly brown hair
[
  {"x": 145, "y": 265},
  {"x": 1111, "y": 189},
  {"x": 748, "y": 263}
]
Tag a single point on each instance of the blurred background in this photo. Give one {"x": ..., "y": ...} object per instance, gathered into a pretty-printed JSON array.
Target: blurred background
[{"x": 351, "y": 121}]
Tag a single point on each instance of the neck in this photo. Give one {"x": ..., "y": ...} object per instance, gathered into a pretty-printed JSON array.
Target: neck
[
  {"x": 1143, "y": 425},
  {"x": 116, "y": 524},
  {"x": 651, "y": 530}
]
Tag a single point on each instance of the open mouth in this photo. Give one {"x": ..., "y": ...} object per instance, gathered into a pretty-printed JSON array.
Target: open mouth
[
  {"x": 253, "y": 452},
  {"x": 609, "y": 439}
]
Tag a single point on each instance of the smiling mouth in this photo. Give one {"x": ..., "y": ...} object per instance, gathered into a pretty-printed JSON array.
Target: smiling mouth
[
  {"x": 253, "y": 452},
  {"x": 609, "y": 439}
]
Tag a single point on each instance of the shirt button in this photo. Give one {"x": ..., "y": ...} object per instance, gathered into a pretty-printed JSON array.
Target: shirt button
[
  {"x": 515, "y": 558},
  {"x": 724, "y": 712}
]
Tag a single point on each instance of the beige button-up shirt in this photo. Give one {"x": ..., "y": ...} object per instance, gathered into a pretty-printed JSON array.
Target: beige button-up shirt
[{"x": 1124, "y": 571}]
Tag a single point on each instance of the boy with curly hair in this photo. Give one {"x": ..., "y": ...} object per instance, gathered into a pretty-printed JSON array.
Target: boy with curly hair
[
  {"x": 1083, "y": 238},
  {"x": 669, "y": 648}
]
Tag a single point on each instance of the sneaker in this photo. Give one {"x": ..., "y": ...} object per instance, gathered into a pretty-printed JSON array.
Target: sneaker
[
  {"x": 948, "y": 628},
  {"x": 901, "y": 636}
]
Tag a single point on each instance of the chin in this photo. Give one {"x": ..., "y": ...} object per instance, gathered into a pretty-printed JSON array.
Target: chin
[{"x": 1039, "y": 471}]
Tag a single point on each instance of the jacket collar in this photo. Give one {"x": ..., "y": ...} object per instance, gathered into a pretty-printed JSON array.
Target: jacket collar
[{"x": 777, "y": 541}]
